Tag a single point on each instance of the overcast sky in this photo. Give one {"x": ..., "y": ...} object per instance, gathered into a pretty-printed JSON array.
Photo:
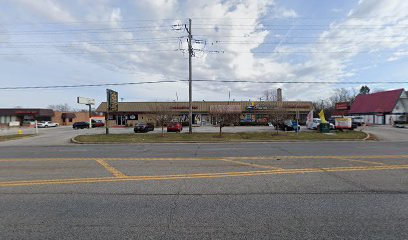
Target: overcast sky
[{"x": 50, "y": 42}]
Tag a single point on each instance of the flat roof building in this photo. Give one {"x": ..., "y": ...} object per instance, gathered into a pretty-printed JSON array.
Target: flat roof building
[{"x": 130, "y": 113}]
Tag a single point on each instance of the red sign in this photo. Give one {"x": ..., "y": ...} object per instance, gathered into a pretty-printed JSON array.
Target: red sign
[
  {"x": 26, "y": 112},
  {"x": 342, "y": 106}
]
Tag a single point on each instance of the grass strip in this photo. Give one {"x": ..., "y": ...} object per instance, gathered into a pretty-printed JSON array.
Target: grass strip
[
  {"x": 214, "y": 137},
  {"x": 14, "y": 137}
]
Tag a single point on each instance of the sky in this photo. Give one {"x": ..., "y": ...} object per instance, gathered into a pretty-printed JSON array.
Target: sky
[{"x": 77, "y": 42}]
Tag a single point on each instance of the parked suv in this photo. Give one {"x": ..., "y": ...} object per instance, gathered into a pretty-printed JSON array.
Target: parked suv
[
  {"x": 80, "y": 125},
  {"x": 143, "y": 127}
]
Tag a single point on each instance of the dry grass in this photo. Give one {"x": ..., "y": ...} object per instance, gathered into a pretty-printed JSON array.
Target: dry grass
[{"x": 214, "y": 137}]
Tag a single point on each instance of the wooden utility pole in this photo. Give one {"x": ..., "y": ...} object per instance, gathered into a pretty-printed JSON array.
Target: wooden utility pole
[{"x": 190, "y": 55}]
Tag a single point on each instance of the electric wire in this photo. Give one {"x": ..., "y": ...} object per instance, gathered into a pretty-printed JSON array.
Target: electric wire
[{"x": 197, "y": 80}]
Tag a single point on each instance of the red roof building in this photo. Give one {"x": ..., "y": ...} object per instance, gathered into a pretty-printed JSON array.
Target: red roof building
[{"x": 381, "y": 107}]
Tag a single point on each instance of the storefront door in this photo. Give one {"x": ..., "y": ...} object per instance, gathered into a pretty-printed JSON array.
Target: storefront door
[{"x": 120, "y": 120}]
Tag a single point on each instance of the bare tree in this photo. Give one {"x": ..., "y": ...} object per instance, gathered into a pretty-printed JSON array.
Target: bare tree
[
  {"x": 61, "y": 107},
  {"x": 277, "y": 114},
  {"x": 225, "y": 115},
  {"x": 162, "y": 114},
  {"x": 329, "y": 105}
]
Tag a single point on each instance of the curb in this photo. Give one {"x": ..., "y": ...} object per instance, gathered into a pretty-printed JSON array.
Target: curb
[
  {"x": 222, "y": 142},
  {"x": 368, "y": 136}
]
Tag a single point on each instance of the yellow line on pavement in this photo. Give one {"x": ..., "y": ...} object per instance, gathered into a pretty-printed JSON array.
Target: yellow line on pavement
[
  {"x": 199, "y": 175},
  {"x": 201, "y": 158},
  {"x": 360, "y": 161},
  {"x": 110, "y": 169},
  {"x": 250, "y": 164}
]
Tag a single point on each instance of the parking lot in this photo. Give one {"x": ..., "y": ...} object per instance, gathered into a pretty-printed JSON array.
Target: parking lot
[{"x": 63, "y": 134}]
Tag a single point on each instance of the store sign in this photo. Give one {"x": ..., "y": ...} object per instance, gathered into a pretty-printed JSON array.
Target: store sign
[
  {"x": 343, "y": 122},
  {"x": 84, "y": 100},
  {"x": 342, "y": 106},
  {"x": 182, "y": 107},
  {"x": 112, "y": 98},
  {"x": 27, "y": 112}
]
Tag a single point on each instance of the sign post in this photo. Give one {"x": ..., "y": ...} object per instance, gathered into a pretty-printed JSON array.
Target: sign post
[
  {"x": 89, "y": 102},
  {"x": 112, "y": 106}
]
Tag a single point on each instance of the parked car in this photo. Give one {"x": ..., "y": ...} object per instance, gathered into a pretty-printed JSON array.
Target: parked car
[
  {"x": 358, "y": 120},
  {"x": 45, "y": 124},
  {"x": 143, "y": 127},
  {"x": 288, "y": 125},
  {"x": 174, "y": 127},
  {"x": 97, "y": 123},
  {"x": 80, "y": 125},
  {"x": 313, "y": 124}
]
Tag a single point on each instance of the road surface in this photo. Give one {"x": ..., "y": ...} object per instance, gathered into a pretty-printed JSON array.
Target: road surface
[{"x": 340, "y": 190}]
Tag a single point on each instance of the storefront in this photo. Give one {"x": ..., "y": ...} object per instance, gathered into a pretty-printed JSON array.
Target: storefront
[
  {"x": 131, "y": 113},
  {"x": 24, "y": 116}
]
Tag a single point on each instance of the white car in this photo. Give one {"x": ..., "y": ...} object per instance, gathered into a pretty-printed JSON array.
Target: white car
[
  {"x": 315, "y": 124},
  {"x": 45, "y": 124}
]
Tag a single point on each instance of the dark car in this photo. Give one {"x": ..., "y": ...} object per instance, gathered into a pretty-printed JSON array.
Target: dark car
[
  {"x": 80, "y": 125},
  {"x": 143, "y": 127},
  {"x": 174, "y": 127},
  {"x": 288, "y": 125}
]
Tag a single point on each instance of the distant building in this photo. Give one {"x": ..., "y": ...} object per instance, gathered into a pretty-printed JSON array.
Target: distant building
[
  {"x": 24, "y": 116},
  {"x": 27, "y": 116},
  {"x": 381, "y": 107}
]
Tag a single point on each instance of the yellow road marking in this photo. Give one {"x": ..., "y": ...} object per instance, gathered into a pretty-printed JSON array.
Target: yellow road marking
[
  {"x": 360, "y": 161},
  {"x": 110, "y": 169},
  {"x": 201, "y": 159},
  {"x": 249, "y": 164},
  {"x": 199, "y": 175}
]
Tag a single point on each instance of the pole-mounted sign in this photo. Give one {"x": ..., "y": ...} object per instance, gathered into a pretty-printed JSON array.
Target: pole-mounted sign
[
  {"x": 89, "y": 102},
  {"x": 112, "y": 105},
  {"x": 112, "y": 98}
]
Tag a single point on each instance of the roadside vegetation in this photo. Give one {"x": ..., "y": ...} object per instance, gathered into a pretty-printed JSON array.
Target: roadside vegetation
[
  {"x": 215, "y": 137},
  {"x": 14, "y": 136}
]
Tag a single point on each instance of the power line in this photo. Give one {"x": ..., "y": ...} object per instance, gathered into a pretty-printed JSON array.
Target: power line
[{"x": 199, "y": 80}]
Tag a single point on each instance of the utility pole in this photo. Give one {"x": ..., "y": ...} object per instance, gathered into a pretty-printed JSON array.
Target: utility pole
[{"x": 190, "y": 55}]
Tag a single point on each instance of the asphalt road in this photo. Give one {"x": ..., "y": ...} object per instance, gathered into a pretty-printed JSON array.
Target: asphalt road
[{"x": 340, "y": 190}]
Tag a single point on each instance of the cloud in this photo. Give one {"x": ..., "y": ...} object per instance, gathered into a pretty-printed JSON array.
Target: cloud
[
  {"x": 233, "y": 31},
  {"x": 47, "y": 9}
]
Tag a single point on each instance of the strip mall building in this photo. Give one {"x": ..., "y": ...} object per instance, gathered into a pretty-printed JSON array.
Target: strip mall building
[{"x": 131, "y": 113}]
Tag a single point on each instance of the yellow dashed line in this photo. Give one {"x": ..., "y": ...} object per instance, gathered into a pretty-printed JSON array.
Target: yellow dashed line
[
  {"x": 199, "y": 175},
  {"x": 249, "y": 164},
  {"x": 360, "y": 161},
  {"x": 110, "y": 169}
]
